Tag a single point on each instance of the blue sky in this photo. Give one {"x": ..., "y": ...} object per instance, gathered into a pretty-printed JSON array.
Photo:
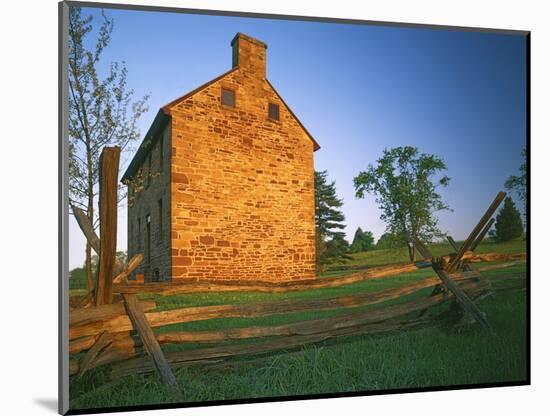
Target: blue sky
[{"x": 358, "y": 89}]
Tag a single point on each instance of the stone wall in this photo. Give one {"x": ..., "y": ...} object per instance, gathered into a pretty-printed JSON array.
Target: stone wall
[
  {"x": 157, "y": 263},
  {"x": 242, "y": 195}
]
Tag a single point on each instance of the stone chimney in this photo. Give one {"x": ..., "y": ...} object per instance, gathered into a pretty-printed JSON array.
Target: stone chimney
[{"x": 249, "y": 54}]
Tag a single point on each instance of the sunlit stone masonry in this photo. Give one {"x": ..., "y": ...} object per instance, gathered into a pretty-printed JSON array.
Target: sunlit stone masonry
[{"x": 222, "y": 185}]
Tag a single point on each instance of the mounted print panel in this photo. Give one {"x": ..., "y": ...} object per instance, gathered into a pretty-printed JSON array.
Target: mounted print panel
[{"x": 271, "y": 207}]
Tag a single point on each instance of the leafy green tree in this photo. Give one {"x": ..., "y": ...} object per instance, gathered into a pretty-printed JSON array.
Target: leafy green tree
[
  {"x": 362, "y": 241},
  {"x": 387, "y": 240},
  {"x": 406, "y": 192},
  {"x": 508, "y": 223},
  {"x": 102, "y": 111},
  {"x": 328, "y": 220},
  {"x": 519, "y": 183}
]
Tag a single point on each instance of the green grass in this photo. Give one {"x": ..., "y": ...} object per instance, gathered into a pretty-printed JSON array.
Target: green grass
[
  {"x": 428, "y": 357},
  {"x": 397, "y": 255}
]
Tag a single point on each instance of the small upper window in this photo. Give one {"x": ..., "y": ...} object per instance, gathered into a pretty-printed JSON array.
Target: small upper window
[
  {"x": 228, "y": 97},
  {"x": 273, "y": 111}
]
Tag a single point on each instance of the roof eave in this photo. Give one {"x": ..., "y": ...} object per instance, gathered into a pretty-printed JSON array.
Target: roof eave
[
  {"x": 159, "y": 122},
  {"x": 316, "y": 145}
]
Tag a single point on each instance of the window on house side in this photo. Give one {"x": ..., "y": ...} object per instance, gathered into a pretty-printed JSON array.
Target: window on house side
[
  {"x": 228, "y": 97},
  {"x": 273, "y": 111}
]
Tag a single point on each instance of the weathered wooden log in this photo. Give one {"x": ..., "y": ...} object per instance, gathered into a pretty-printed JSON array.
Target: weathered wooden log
[
  {"x": 444, "y": 261},
  {"x": 117, "y": 338},
  {"x": 258, "y": 309},
  {"x": 147, "y": 336},
  {"x": 453, "y": 243},
  {"x": 91, "y": 237},
  {"x": 130, "y": 267},
  {"x": 197, "y": 357},
  {"x": 467, "y": 304},
  {"x": 466, "y": 246},
  {"x": 214, "y": 355},
  {"x": 102, "y": 342},
  {"x": 306, "y": 327},
  {"x": 122, "y": 323},
  {"x": 108, "y": 200},
  {"x": 421, "y": 247},
  {"x": 86, "y": 226},
  {"x": 482, "y": 234},
  {"x": 192, "y": 286},
  {"x": 489, "y": 257},
  {"x": 455, "y": 247},
  {"x": 172, "y": 288},
  {"x": 255, "y": 332},
  {"x": 81, "y": 344},
  {"x": 86, "y": 301},
  {"x": 120, "y": 355},
  {"x": 338, "y": 326},
  {"x": 103, "y": 312}
]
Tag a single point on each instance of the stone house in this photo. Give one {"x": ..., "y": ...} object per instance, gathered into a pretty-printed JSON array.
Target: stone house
[{"x": 222, "y": 185}]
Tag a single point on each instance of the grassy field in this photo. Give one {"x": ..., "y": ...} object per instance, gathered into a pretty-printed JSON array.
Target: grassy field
[
  {"x": 380, "y": 257},
  {"x": 421, "y": 358}
]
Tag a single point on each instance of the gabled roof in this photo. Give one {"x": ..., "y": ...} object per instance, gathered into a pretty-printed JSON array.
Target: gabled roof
[
  {"x": 315, "y": 144},
  {"x": 150, "y": 138},
  {"x": 167, "y": 107},
  {"x": 165, "y": 113}
]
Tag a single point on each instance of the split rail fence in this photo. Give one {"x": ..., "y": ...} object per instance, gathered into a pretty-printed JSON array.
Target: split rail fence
[{"x": 111, "y": 326}]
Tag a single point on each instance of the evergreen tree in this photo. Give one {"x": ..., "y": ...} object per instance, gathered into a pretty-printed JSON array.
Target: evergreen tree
[
  {"x": 362, "y": 241},
  {"x": 328, "y": 220},
  {"x": 336, "y": 250},
  {"x": 508, "y": 224},
  {"x": 519, "y": 183}
]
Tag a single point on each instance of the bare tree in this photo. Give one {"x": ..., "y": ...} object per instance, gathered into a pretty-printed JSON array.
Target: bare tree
[{"x": 102, "y": 111}]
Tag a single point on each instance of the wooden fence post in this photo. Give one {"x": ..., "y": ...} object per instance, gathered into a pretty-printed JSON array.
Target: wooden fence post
[
  {"x": 140, "y": 323},
  {"x": 108, "y": 200},
  {"x": 467, "y": 304},
  {"x": 482, "y": 234},
  {"x": 477, "y": 229}
]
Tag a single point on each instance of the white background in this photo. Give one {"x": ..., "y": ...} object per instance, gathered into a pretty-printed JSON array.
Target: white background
[{"x": 28, "y": 207}]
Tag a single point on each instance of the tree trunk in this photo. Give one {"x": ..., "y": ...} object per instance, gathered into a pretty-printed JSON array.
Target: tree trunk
[
  {"x": 89, "y": 274},
  {"x": 411, "y": 252},
  {"x": 90, "y": 214}
]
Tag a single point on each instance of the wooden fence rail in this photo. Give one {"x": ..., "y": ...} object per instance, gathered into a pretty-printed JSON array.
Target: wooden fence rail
[
  {"x": 187, "y": 287},
  {"x": 377, "y": 320},
  {"x": 122, "y": 323},
  {"x": 126, "y": 359}
]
